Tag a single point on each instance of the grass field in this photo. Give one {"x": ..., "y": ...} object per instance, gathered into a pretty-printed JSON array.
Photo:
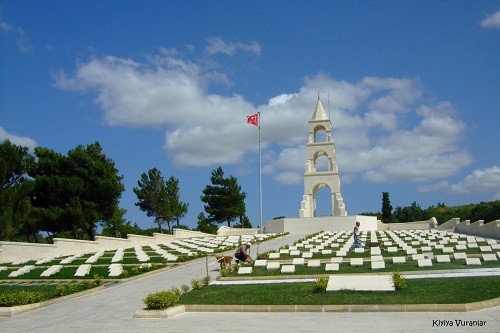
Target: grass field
[{"x": 419, "y": 291}]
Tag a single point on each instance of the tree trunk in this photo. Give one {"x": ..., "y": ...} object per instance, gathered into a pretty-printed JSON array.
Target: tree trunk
[
  {"x": 50, "y": 238},
  {"x": 90, "y": 233},
  {"x": 159, "y": 225}
]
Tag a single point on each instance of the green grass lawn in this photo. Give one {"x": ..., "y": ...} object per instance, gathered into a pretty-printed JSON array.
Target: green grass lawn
[
  {"x": 346, "y": 268},
  {"x": 419, "y": 291}
]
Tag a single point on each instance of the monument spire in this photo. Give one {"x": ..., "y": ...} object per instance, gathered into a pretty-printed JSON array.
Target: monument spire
[{"x": 320, "y": 145}]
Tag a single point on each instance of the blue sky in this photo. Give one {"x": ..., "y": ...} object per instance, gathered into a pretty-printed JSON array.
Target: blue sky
[{"x": 412, "y": 87}]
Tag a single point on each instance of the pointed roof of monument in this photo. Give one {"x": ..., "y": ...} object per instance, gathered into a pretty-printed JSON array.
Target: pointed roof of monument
[{"x": 319, "y": 112}]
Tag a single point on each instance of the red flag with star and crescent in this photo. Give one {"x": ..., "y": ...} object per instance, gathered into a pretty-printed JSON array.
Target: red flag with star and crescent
[{"x": 253, "y": 119}]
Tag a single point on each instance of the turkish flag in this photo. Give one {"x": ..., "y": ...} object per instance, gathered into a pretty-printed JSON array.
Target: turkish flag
[{"x": 253, "y": 119}]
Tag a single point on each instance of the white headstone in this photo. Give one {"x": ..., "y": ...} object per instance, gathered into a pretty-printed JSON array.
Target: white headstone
[
  {"x": 298, "y": 261},
  {"x": 473, "y": 261},
  {"x": 332, "y": 267},
  {"x": 245, "y": 270},
  {"x": 314, "y": 263},
  {"x": 356, "y": 261},
  {"x": 442, "y": 258},
  {"x": 425, "y": 263},
  {"x": 398, "y": 260}
]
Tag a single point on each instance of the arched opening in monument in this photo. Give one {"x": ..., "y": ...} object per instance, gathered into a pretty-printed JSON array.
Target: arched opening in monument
[
  {"x": 322, "y": 164},
  {"x": 322, "y": 201},
  {"x": 320, "y": 134}
]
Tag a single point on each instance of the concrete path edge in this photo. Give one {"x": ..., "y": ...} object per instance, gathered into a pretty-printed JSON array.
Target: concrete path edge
[{"x": 171, "y": 312}]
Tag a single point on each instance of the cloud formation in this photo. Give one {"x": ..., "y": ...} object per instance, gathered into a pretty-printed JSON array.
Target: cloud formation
[
  {"x": 383, "y": 129},
  {"x": 17, "y": 140},
  {"x": 23, "y": 41},
  {"x": 492, "y": 21},
  {"x": 217, "y": 45}
]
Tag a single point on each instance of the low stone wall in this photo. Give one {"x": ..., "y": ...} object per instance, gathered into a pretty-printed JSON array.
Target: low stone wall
[
  {"x": 417, "y": 225},
  {"x": 309, "y": 225},
  {"x": 13, "y": 251},
  {"x": 227, "y": 231},
  {"x": 111, "y": 243},
  {"x": 72, "y": 246},
  {"x": 184, "y": 233},
  {"x": 478, "y": 228}
]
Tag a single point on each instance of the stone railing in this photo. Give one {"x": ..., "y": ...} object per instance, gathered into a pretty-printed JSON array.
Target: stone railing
[
  {"x": 478, "y": 228},
  {"x": 15, "y": 251},
  {"x": 227, "y": 231},
  {"x": 417, "y": 225}
]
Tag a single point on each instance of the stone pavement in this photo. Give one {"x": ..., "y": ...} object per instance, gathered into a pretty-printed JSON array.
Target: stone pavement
[{"x": 112, "y": 309}]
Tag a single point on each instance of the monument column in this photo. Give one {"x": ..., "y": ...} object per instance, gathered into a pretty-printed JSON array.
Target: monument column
[{"x": 320, "y": 144}]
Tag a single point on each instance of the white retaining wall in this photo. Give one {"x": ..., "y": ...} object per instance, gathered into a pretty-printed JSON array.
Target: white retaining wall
[
  {"x": 478, "y": 228},
  {"x": 227, "y": 231},
  {"x": 308, "y": 225},
  {"x": 417, "y": 225},
  {"x": 14, "y": 251}
]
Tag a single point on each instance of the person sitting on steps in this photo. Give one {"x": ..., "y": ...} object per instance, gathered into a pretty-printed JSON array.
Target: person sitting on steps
[{"x": 243, "y": 253}]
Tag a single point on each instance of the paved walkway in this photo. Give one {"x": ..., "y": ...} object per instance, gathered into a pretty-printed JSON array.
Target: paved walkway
[{"x": 112, "y": 310}]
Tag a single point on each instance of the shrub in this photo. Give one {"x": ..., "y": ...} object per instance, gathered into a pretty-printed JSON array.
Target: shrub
[
  {"x": 60, "y": 290},
  {"x": 195, "y": 284},
  {"x": 320, "y": 285},
  {"x": 20, "y": 297},
  {"x": 87, "y": 284},
  {"x": 176, "y": 291},
  {"x": 124, "y": 273},
  {"x": 161, "y": 300},
  {"x": 206, "y": 280},
  {"x": 399, "y": 281},
  {"x": 72, "y": 287},
  {"x": 224, "y": 272},
  {"x": 135, "y": 270},
  {"x": 185, "y": 288},
  {"x": 98, "y": 280}
]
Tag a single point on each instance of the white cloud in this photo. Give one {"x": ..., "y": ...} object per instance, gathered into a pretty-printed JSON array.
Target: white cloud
[
  {"x": 442, "y": 185},
  {"x": 380, "y": 127},
  {"x": 419, "y": 169},
  {"x": 23, "y": 41},
  {"x": 480, "y": 180},
  {"x": 217, "y": 45},
  {"x": 492, "y": 21},
  {"x": 6, "y": 27},
  {"x": 17, "y": 140}
]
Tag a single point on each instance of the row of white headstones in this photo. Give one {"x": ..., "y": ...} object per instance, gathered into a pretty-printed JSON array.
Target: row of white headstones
[
  {"x": 410, "y": 241},
  {"x": 188, "y": 247}
]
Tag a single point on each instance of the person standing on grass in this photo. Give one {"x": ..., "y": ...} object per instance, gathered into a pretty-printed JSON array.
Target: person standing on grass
[
  {"x": 355, "y": 235},
  {"x": 243, "y": 253}
]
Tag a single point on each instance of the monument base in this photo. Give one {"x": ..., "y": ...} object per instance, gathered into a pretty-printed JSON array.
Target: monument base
[{"x": 309, "y": 225}]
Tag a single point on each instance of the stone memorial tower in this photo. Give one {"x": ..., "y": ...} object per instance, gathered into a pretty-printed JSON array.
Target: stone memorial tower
[{"x": 319, "y": 144}]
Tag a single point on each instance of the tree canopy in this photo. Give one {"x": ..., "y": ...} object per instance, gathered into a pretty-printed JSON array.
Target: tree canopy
[
  {"x": 15, "y": 187},
  {"x": 224, "y": 200},
  {"x": 160, "y": 198},
  {"x": 74, "y": 192}
]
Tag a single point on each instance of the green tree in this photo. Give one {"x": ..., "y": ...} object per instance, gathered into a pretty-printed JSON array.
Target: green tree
[
  {"x": 178, "y": 208},
  {"x": 386, "y": 208},
  {"x": 15, "y": 188},
  {"x": 116, "y": 223},
  {"x": 410, "y": 213},
  {"x": 75, "y": 192},
  {"x": 204, "y": 225},
  {"x": 152, "y": 195},
  {"x": 224, "y": 199},
  {"x": 245, "y": 223}
]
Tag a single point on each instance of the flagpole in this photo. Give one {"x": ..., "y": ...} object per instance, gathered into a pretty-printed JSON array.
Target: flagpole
[{"x": 260, "y": 179}]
